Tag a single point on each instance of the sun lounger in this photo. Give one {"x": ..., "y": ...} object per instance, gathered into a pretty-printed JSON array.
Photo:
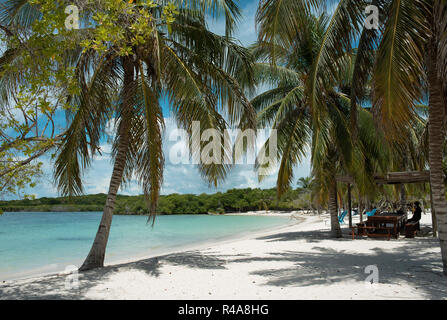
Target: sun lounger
[{"x": 342, "y": 216}]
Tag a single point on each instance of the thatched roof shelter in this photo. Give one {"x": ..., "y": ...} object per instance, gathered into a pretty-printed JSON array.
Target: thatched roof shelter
[{"x": 392, "y": 178}]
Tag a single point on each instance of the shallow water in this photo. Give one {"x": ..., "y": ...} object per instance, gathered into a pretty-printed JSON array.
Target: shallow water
[{"x": 39, "y": 242}]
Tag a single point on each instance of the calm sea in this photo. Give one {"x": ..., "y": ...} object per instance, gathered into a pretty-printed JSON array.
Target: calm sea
[{"x": 43, "y": 242}]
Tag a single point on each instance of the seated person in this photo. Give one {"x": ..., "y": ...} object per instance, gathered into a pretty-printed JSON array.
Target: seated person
[{"x": 417, "y": 213}]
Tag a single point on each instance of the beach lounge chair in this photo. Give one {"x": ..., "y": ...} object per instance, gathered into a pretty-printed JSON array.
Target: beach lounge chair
[
  {"x": 371, "y": 213},
  {"x": 342, "y": 216}
]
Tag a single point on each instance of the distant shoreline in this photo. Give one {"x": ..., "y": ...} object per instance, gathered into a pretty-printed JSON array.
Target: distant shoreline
[
  {"x": 249, "y": 213},
  {"x": 233, "y": 200}
]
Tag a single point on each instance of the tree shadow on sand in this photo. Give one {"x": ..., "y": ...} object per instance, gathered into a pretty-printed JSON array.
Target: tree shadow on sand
[
  {"x": 325, "y": 266},
  {"x": 413, "y": 262},
  {"x": 53, "y": 287}
]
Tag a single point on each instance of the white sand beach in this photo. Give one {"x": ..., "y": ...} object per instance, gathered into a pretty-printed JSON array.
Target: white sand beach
[{"x": 295, "y": 262}]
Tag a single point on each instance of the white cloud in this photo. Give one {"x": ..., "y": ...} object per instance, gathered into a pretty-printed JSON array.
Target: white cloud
[{"x": 178, "y": 178}]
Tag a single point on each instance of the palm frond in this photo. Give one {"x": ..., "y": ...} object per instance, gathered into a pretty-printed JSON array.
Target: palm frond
[
  {"x": 81, "y": 141},
  {"x": 402, "y": 48},
  {"x": 150, "y": 161}
]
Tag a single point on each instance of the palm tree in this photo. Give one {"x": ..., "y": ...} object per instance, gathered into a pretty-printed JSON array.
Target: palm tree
[
  {"x": 185, "y": 62},
  {"x": 305, "y": 183},
  {"x": 410, "y": 41},
  {"x": 311, "y": 119},
  {"x": 407, "y": 54}
]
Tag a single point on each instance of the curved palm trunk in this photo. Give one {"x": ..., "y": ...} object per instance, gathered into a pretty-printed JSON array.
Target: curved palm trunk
[
  {"x": 333, "y": 210},
  {"x": 95, "y": 258},
  {"x": 436, "y": 141}
]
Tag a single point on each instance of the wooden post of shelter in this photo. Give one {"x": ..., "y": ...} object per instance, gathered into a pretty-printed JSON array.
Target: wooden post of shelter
[
  {"x": 349, "y": 205},
  {"x": 361, "y": 209}
]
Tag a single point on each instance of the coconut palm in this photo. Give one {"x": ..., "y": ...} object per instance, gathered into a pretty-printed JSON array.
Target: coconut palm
[
  {"x": 191, "y": 66},
  {"x": 305, "y": 183},
  {"x": 321, "y": 126},
  {"x": 411, "y": 41},
  {"x": 304, "y": 100},
  {"x": 405, "y": 55}
]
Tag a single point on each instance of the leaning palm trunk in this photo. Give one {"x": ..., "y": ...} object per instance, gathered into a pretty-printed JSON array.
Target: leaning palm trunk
[
  {"x": 333, "y": 210},
  {"x": 436, "y": 140},
  {"x": 95, "y": 258}
]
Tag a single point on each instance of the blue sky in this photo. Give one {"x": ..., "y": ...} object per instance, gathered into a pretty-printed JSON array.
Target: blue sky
[{"x": 179, "y": 178}]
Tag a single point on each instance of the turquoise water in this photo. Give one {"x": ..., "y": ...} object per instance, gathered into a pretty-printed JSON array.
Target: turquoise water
[{"x": 40, "y": 242}]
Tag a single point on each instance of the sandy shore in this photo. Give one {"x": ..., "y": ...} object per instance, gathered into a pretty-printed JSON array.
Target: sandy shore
[{"x": 296, "y": 262}]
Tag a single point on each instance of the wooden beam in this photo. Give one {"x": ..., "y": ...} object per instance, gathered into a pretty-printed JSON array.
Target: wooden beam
[
  {"x": 345, "y": 179},
  {"x": 403, "y": 177},
  {"x": 394, "y": 178}
]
